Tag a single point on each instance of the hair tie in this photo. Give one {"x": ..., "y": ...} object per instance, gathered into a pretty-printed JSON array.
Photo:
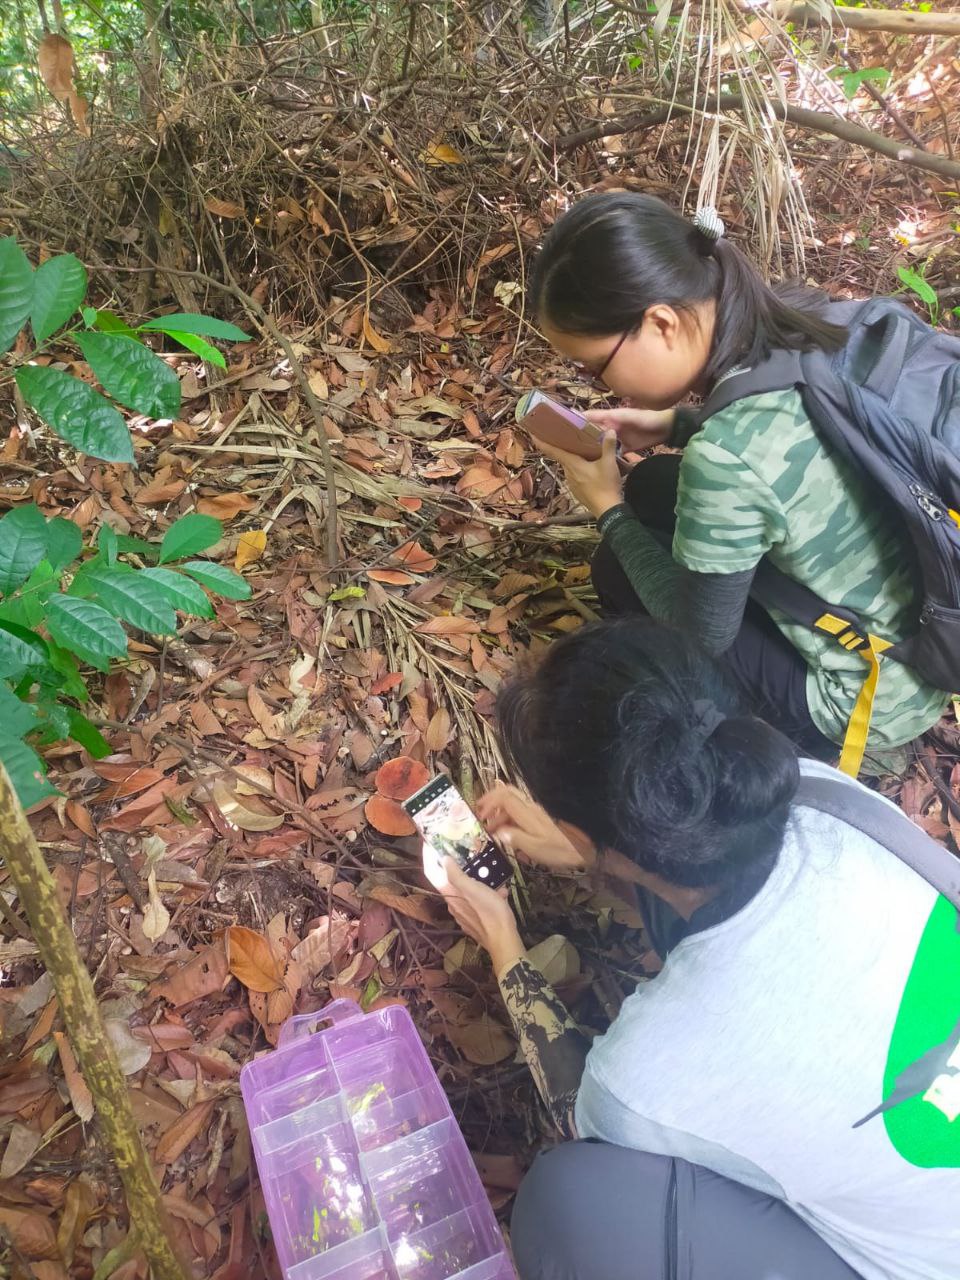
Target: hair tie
[
  {"x": 707, "y": 716},
  {"x": 708, "y": 223}
]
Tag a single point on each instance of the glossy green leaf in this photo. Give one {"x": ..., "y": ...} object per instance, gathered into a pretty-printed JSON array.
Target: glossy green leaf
[
  {"x": 16, "y": 717},
  {"x": 129, "y": 595},
  {"x": 23, "y": 544},
  {"x": 198, "y": 346},
  {"x": 86, "y": 629},
  {"x": 218, "y": 579},
  {"x": 89, "y": 316},
  {"x": 64, "y": 542},
  {"x": 182, "y": 592},
  {"x": 198, "y": 326},
  {"x": 26, "y": 770},
  {"x": 20, "y": 649},
  {"x": 107, "y": 544},
  {"x": 16, "y": 291},
  {"x": 76, "y": 413},
  {"x": 65, "y": 665},
  {"x": 138, "y": 546},
  {"x": 107, "y": 322},
  {"x": 37, "y": 590},
  {"x": 88, "y": 735},
  {"x": 188, "y": 535},
  {"x": 916, "y": 282},
  {"x": 132, "y": 374},
  {"x": 59, "y": 286}
]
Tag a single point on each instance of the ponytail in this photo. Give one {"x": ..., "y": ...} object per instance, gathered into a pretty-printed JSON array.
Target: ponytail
[{"x": 614, "y": 255}]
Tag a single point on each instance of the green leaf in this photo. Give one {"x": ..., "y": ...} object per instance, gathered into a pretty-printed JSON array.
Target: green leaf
[
  {"x": 138, "y": 546},
  {"x": 84, "y": 628},
  {"x": 64, "y": 542},
  {"x": 23, "y": 544},
  {"x": 76, "y": 412},
  {"x": 65, "y": 665},
  {"x": 107, "y": 322},
  {"x": 89, "y": 316},
  {"x": 59, "y": 286},
  {"x": 107, "y": 544},
  {"x": 346, "y": 593},
  {"x": 16, "y": 291},
  {"x": 199, "y": 326},
  {"x": 27, "y": 771},
  {"x": 188, "y": 535},
  {"x": 16, "y": 717},
  {"x": 197, "y": 346},
  {"x": 88, "y": 735},
  {"x": 37, "y": 590},
  {"x": 128, "y": 595},
  {"x": 218, "y": 578},
  {"x": 132, "y": 374},
  {"x": 182, "y": 592},
  {"x": 915, "y": 281},
  {"x": 20, "y": 649}
]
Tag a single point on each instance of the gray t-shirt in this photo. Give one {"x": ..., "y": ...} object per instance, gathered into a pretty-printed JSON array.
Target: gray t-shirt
[{"x": 767, "y": 1037}]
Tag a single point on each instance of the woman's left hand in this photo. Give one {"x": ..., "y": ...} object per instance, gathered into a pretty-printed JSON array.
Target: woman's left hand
[
  {"x": 596, "y": 485},
  {"x": 484, "y": 914}
]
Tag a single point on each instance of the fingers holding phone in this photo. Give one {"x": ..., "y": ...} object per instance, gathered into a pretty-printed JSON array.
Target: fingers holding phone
[
  {"x": 524, "y": 828},
  {"x": 484, "y": 914},
  {"x": 636, "y": 429},
  {"x": 596, "y": 485}
]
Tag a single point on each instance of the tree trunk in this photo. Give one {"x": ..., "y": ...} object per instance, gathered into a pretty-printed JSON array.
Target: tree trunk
[
  {"x": 93, "y": 1048},
  {"x": 895, "y": 20}
]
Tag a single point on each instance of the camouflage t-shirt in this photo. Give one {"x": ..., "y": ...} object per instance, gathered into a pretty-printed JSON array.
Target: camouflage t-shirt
[{"x": 755, "y": 481}]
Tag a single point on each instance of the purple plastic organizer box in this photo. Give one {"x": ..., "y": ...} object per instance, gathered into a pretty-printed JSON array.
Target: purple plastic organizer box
[{"x": 365, "y": 1172}]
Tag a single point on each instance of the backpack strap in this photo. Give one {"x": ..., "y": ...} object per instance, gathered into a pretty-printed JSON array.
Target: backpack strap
[{"x": 890, "y": 828}]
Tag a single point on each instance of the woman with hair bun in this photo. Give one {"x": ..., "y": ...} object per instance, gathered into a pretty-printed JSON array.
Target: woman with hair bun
[{"x": 782, "y": 1101}]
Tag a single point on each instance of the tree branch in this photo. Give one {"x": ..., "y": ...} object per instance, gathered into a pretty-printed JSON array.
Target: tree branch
[
  {"x": 895, "y": 20},
  {"x": 93, "y": 1047},
  {"x": 818, "y": 121}
]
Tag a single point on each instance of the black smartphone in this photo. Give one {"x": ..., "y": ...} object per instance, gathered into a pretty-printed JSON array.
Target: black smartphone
[{"x": 449, "y": 825}]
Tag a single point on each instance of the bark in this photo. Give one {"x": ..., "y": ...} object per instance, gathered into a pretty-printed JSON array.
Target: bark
[
  {"x": 894, "y": 20},
  {"x": 92, "y": 1046}
]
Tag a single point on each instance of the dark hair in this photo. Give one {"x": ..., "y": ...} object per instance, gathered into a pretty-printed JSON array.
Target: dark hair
[
  {"x": 606, "y": 735},
  {"x": 614, "y": 255}
]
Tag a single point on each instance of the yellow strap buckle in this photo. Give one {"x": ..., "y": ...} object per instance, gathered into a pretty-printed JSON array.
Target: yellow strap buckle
[{"x": 870, "y": 648}]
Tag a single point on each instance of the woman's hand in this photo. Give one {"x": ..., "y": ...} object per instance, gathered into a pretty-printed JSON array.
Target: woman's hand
[
  {"x": 524, "y": 828},
  {"x": 636, "y": 429},
  {"x": 484, "y": 914},
  {"x": 596, "y": 485}
]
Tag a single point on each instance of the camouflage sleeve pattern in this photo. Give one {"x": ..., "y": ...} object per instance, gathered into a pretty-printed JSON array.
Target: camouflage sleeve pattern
[{"x": 550, "y": 1041}]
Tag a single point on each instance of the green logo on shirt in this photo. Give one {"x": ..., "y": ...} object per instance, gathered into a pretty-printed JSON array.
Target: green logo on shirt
[{"x": 921, "y": 1082}]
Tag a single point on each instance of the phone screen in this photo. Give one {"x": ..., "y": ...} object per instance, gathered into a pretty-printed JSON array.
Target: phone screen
[{"x": 449, "y": 825}]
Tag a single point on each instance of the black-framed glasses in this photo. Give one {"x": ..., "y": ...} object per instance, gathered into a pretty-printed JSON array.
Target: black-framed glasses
[{"x": 596, "y": 375}]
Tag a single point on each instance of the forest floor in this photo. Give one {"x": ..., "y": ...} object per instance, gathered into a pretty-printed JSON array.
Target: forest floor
[{"x": 241, "y": 856}]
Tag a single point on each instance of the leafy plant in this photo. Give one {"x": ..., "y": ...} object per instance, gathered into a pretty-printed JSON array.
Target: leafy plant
[
  {"x": 50, "y": 298},
  {"x": 850, "y": 81},
  {"x": 63, "y": 607},
  {"x": 919, "y": 285}
]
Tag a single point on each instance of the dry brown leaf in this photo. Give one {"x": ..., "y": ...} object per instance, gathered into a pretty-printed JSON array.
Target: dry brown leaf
[
  {"x": 324, "y": 943},
  {"x": 224, "y": 506},
  {"x": 30, "y": 1232},
  {"x": 81, "y": 1098},
  {"x": 205, "y": 722},
  {"x": 20, "y": 1149},
  {"x": 438, "y": 730},
  {"x": 253, "y": 959},
  {"x": 448, "y": 625},
  {"x": 156, "y": 917},
  {"x": 223, "y": 208},
  {"x": 78, "y": 1209},
  {"x": 336, "y": 802},
  {"x": 55, "y": 60},
  {"x": 439, "y": 152},
  {"x": 415, "y": 905},
  {"x": 399, "y": 779},
  {"x": 183, "y": 1131},
  {"x": 204, "y": 975},
  {"x": 247, "y": 815},
  {"x": 78, "y": 109},
  {"x": 79, "y": 815},
  {"x": 263, "y": 716},
  {"x": 483, "y": 1042},
  {"x": 387, "y": 817},
  {"x": 415, "y": 558},
  {"x": 556, "y": 958},
  {"x": 391, "y": 577},
  {"x": 376, "y": 340},
  {"x": 250, "y": 547}
]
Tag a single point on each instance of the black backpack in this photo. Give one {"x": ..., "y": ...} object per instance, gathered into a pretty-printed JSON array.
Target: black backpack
[{"x": 889, "y": 402}]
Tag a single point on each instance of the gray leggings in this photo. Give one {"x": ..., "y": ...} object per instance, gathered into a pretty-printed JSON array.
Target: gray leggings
[{"x": 590, "y": 1211}]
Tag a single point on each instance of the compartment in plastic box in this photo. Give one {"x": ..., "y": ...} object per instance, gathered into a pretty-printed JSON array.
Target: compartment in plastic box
[
  {"x": 422, "y": 1179},
  {"x": 316, "y": 1194},
  {"x": 280, "y": 1083},
  {"x": 306, "y": 1122},
  {"x": 448, "y": 1247},
  {"x": 365, "y": 1258},
  {"x": 384, "y": 1070},
  {"x": 392, "y": 1118}
]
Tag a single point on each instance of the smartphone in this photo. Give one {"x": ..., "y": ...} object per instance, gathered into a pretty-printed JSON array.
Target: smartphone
[
  {"x": 449, "y": 825},
  {"x": 558, "y": 425}
]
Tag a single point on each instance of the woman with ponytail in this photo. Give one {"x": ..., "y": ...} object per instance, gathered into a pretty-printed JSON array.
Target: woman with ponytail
[
  {"x": 656, "y": 309},
  {"x": 778, "y": 1103}
]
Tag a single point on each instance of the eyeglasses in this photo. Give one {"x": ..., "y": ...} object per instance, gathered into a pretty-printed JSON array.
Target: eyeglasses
[{"x": 596, "y": 375}]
